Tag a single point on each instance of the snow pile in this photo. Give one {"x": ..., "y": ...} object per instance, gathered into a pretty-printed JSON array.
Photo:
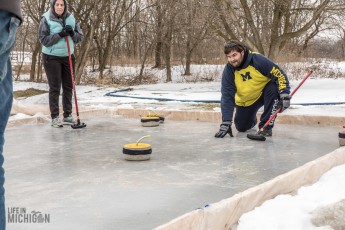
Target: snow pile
[{"x": 297, "y": 211}]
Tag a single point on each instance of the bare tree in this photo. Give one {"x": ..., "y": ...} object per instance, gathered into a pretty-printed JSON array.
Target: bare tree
[
  {"x": 287, "y": 19},
  {"x": 21, "y": 51},
  {"x": 158, "y": 14},
  {"x": 88, "y": 18},
  {"x": 194, "y": 27},
  {"x": 34, "y": 11},
  {"x": 113, "y": 22},
  {"x": 163, "y": 32}
]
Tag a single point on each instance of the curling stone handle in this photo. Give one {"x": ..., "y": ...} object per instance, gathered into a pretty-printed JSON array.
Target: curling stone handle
[
  {"x": 147, "y": 136},
  {"x": 153, "y": 113}
]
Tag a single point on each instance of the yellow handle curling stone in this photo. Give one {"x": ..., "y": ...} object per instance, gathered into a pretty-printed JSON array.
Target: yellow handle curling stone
[{"x": 137, "y": 151}]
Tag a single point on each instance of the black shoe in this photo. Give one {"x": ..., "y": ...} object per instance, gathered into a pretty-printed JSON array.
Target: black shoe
[{"x": 265, "y": 132}]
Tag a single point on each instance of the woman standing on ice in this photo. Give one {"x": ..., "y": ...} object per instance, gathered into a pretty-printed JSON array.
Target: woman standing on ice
[{"x": 56, "y": 24}]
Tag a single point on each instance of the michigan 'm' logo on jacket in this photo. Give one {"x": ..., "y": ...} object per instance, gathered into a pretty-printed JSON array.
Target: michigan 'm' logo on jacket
[{"x": 253, "y": 76}]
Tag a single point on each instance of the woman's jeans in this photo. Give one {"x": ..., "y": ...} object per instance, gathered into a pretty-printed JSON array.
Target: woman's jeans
[{"x": 8, "y": 29}]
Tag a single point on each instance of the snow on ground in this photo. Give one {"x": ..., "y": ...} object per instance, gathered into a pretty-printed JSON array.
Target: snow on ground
[
  {"x": 296, "y": 212},
  {"x": 325, "y": 91},
  {"x": 324, "y": 86}
]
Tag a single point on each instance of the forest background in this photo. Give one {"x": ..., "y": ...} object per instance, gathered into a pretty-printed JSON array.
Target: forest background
[{"x": 163, "y": 33}]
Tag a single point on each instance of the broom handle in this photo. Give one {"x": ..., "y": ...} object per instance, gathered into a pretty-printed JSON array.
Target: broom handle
[
  {"x": 72, "y": 77},
  {"x": 293, "y": 92}
]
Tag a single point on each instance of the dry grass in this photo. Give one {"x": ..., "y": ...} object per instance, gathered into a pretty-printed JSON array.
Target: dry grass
[
  {"x": 28, "y": 93},
  {"x": 207, "y": 106}
]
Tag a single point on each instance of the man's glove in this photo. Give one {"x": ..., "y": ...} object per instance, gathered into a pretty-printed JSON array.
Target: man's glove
[
  {"x": 64, "y": 32},
  {"x": 225, "y": 128},
  {"x": 284, "y": 102},
  {"x": 69, "y": 30}
]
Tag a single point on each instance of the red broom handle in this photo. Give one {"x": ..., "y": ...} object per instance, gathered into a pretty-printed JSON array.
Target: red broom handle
[{"x": 72, "y": 77}]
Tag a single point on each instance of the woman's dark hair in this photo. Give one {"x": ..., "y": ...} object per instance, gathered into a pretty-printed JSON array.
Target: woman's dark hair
[{"x": 234, "y": 45}]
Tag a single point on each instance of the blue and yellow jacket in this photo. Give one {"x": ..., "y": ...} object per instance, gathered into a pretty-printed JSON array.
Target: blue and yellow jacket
[{"x": 243, "y": 86}]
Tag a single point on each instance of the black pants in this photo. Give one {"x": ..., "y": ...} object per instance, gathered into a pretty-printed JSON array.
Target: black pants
[
  {"x": 58, "y": 74},
  {"x": 245, "y": 117}
]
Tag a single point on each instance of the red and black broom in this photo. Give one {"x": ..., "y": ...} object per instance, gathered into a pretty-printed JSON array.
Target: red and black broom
[
  {"x": 258, "y": 137},
  {"x": 79, "y": 124}
]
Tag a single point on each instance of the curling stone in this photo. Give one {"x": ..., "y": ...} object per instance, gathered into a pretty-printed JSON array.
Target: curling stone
[
  {"x": 150, "y": 121},
  {"x": 137, "y": 151},
  {"x": 341, "y": 137}
]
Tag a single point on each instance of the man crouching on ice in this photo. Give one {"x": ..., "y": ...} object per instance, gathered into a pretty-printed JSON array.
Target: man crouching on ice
[{"x": 249, "y": 81}]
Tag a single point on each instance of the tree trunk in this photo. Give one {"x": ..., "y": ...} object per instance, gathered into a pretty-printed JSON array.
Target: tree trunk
[
  {"x": 188, "y": 57},
  {"x": 168, "y": 61},
  {"x": 140, "y": 76},
  {"x": 159, "y": 36},
  {"x": 85, "y": 47},
  {"x": 34, "y": 60},
  {"x": 168, "y": 52}
]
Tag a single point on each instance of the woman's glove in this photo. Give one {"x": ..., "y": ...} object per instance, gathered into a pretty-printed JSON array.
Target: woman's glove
[{"x": 69, "y": 30}]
